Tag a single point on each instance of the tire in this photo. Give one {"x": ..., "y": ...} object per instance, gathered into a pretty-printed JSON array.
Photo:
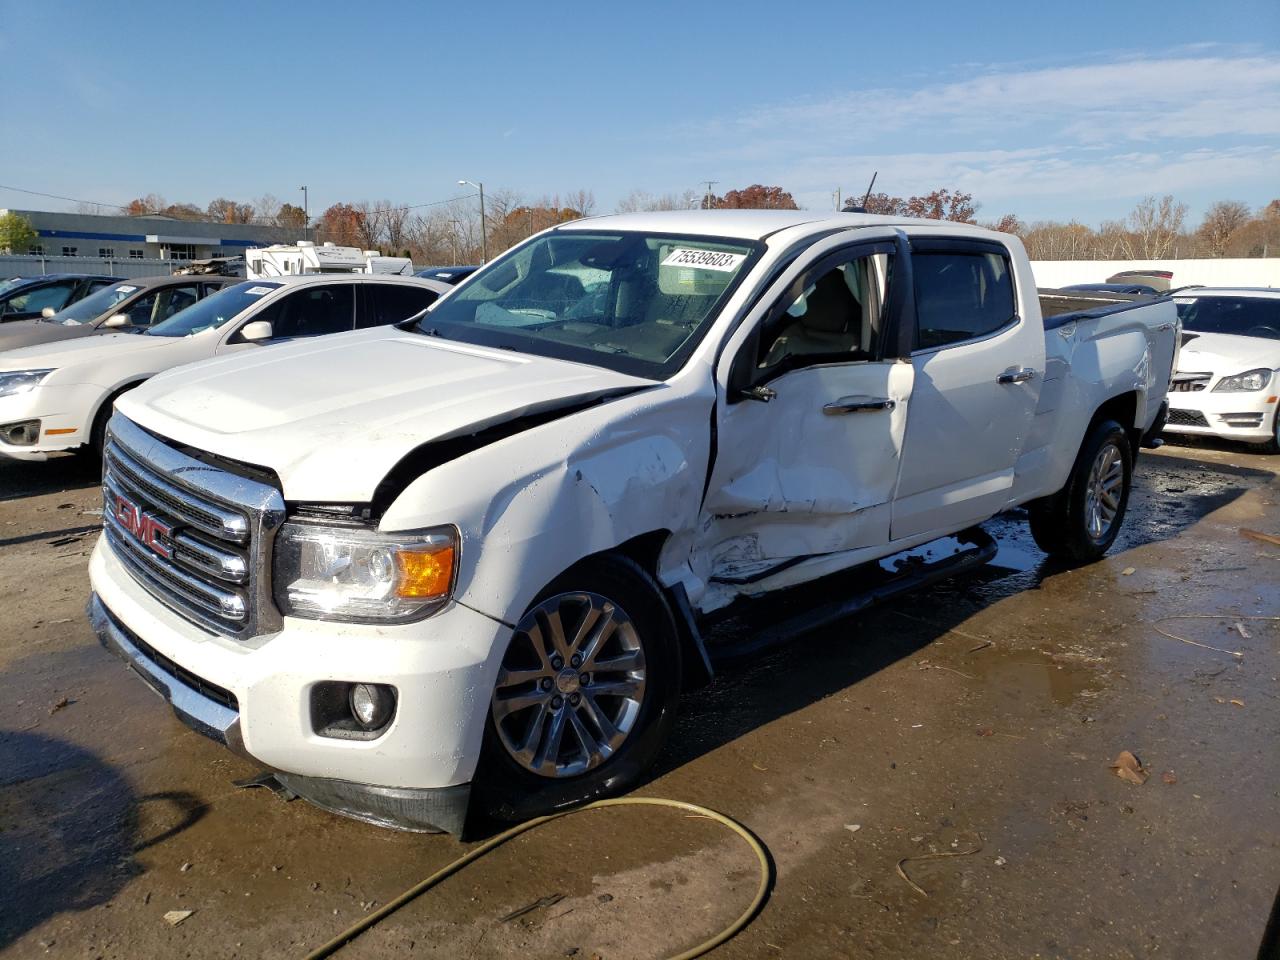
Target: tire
[
  {"x": 1066, "y": 525},
  {"x": 98, "y": 433},
  {"x": 533, "y": 696}
]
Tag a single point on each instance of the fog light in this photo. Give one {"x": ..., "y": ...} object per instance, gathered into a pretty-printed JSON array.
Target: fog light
[
  {"x": 24, "y": 433},
  {"x": 371, "y": 704}
]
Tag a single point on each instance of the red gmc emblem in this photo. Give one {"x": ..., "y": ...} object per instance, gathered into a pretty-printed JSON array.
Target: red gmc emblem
[{"x": 143, "y": 527}]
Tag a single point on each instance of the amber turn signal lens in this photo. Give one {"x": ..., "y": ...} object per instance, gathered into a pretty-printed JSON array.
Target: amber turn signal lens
[{"x": 424, "y": 573}]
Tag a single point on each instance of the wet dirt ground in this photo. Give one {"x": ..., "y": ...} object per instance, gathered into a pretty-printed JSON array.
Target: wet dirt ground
[{"x": 960, "y": 736}]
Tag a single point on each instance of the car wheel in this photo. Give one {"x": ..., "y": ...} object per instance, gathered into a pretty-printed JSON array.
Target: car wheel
[
  {"x": 586, "y": 693},
  {"x": 1081, "y": 521}
]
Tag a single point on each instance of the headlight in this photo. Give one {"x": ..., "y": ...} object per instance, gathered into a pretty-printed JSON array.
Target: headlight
[
  {"x": 20, "y": 381},
  {"x": 344, "y": 573},
  {"x": 1252, "y": 380}
]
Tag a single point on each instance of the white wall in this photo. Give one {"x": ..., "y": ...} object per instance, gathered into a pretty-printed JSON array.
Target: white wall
[{"x": 1251, "y": 272}]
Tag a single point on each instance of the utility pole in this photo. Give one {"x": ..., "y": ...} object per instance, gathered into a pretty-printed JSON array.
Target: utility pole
[
  {"x": 453, "y": 237},
  {"x": 484, "y": 234},
  {"x": 706, "y": 203},
  {"x": 306, "y": 215},
  {"x": 837, "y": 199}
]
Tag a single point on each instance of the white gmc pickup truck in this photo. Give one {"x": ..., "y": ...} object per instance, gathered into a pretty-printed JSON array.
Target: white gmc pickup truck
[{"x": 462, "y": 562}]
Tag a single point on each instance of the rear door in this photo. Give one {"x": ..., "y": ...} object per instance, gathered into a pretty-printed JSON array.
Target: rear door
[
  {"x": 978, "y": 368},
  {"x": 811, "y": 416},
  {"x": 387, "y": 303}
]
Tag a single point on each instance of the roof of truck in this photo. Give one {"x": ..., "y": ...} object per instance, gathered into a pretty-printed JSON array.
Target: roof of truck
[{"x": 755, "y": 224}]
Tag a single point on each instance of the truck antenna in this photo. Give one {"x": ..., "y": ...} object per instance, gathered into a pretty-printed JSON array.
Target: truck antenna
[{"x": 867, "y": 196}]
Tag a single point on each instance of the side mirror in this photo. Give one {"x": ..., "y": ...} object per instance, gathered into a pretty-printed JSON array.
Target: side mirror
[
  {"x": 48, "y": 312},
  {"x": 256, "y": 331},
  {"x": 117, "y": 320}
]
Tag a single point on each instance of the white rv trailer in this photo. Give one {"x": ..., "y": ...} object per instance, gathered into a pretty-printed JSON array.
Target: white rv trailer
[{"x": 306, "y": 257}]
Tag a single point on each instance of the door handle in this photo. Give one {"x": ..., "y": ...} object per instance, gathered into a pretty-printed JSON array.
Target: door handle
[
  {"x": 858, "y": 404},
  {"x": 1016, "y": 375}
]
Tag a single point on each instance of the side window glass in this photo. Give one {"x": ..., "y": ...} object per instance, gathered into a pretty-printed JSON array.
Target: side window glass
[
  {"x": 393, "y": 303},
  {"x": 54, "y": 296},
  {"x": 960, "y": 296},
  {"x": 140, "y": 311},
  {"x": 314, "y": 312},
  {"x": 837, "y": 316},
  {"x": 173, "y": 299}
]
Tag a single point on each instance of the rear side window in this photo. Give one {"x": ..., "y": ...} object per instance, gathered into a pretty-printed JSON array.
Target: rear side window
[
  {"x": 960, "y": 296},
  {"x": 312, "y": 312},
  {"x": 392, "y": 302}
]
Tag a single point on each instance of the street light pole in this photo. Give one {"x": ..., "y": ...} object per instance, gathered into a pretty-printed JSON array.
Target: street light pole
[
  {"x": 484, "y": 234},
  {"x": 306, "y": 215}
]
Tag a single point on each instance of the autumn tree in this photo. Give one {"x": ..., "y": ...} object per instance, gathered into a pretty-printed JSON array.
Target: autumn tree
[
  {"x": 1221, "y": 220},
  {"x": 149, "y": 205},
  {"x": 941, "y": 204},
  {"x": 340, "y": 224},
  {"x": 16, "y": 233},
  {"x": 291, "y": 217},
  {"x": 1009, "y": 223},
  {"x": 755, "y": 197},
  {"x": 223, "y": 210}
]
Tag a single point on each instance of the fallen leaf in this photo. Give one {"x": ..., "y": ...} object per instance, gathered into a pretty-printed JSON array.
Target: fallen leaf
[
  {"x": 58, "y": 706},
  {"x": 758, "y": 767},
  {"x": 1129, "y": 768},
  {"x": 853, "y": 827},
  {"x": 175, "y": 917},
  {"x": 1261, "y": 537},
  {"x": 985, "y": 731},
  {"x": 1237, "y": 703},
  {"x": 1169, "y": 777},
  {"x": 1244, "y": 634},
  {"x": 1128, "y": 571}
]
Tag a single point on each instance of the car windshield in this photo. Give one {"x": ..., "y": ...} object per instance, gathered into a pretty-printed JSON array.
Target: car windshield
[
  {"x": 636, "y": 303},
  {"x": 213, "y": 311},
  {"x": 94, "y": 305},
  {"x": 1244, "y": 316},
  {"x": 11, "y": 283}
]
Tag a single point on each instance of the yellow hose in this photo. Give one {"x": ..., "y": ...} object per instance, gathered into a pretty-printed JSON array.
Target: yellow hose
[{"x": 762, "y": 891}]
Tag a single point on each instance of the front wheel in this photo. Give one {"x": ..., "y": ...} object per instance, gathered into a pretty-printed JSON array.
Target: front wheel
[
  {"x": 585, "y": 695},
  {"x": 1080, "y": 522}
]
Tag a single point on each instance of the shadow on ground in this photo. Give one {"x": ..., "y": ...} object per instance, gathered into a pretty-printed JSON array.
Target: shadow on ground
[
  {"x": 68, "y": 830},
  {"x": 19, "y": 478}
]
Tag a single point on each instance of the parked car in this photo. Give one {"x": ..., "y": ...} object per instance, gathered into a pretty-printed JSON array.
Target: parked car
[
  {"x": 1158, "y": 280},
  {"x": 1133, "y": 289},
  {"x": 447, "y": 274},
  {"x": 471, "y": 554},
  {"x": 24, "y": 298},
  {"x": 1228, "y": 379},
  {"x": 123, "y": 306},
  {"x": 58, "y": 396}
]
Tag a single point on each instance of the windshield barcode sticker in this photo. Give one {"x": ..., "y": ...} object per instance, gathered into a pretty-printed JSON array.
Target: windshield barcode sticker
[
  {"x": 704, "y": 259},
  {"x": 125, "y": 289},
  {"x": 1184, "y": 299},
  {"x": 257, "y": 291}
]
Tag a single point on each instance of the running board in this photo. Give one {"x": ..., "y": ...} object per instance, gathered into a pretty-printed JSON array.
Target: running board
[{"x": 980, "y": 549}]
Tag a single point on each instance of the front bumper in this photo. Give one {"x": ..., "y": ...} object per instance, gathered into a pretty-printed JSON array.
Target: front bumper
[
  {"x": 1249, "y": 416},
  {"x": 255, "y": 697},
  {"x": 59, "y": 409}
]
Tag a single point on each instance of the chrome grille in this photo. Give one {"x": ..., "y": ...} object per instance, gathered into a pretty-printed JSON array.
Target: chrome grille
[{"x": 197, "y": 537}]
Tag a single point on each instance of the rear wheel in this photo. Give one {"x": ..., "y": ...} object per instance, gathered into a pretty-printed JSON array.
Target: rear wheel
[
  {"x": 1082, "y": 520},
  {"x": 586, "y": 693}
]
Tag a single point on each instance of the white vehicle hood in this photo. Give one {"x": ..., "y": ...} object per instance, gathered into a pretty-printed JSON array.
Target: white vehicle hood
[
  {"x": 92, "y": 350},
  {"x": 1225, "y": 355},
  {"x": 332, "y": 416}
]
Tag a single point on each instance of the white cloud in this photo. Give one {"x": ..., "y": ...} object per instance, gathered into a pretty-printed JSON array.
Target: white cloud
[{"x": 1196, "y": 121}]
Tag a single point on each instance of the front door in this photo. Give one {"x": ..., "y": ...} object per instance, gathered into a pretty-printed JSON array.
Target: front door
[
  {"x": 978, "y": 369},
  {"x": 811, "y": 415}
]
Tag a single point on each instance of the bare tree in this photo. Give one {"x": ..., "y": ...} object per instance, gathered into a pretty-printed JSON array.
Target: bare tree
[
  {"x": 1220, "y": 221},
  {"x": 639, "y": 200},
  {"x": 1154, "y": 227}
]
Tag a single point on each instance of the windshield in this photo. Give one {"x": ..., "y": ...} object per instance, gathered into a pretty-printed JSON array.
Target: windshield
[
  {"x": 1244, "y": 316},
  {"x": 7, "y": 285},
  {"x": 213, "y": 311},
  {"x": 637, "y": 303},
  {"x": 94, "y": 305}
]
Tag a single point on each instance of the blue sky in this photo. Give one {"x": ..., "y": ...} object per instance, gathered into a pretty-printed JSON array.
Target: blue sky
[{"x": 1048, "y": 111}]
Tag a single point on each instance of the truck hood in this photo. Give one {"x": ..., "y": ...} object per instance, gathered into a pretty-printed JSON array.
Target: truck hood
[
  {"x": 332, "y": 416},
  {"x": 1225, "y": 354}
]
